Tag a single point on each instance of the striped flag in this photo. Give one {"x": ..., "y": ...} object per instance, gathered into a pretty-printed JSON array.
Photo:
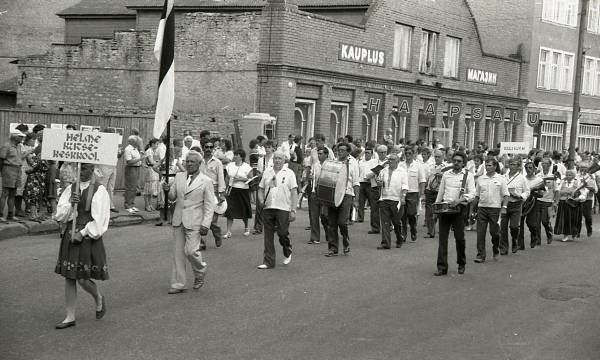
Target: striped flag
[{"x": 164, "y": 51}]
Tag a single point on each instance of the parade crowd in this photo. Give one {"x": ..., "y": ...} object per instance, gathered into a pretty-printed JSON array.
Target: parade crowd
[{"x": 445, "y": 189}]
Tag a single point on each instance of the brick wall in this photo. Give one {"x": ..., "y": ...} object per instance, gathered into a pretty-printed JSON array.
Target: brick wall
[
  {"x": 215, "y": 64},
  {"x": 77, "y": 28}
]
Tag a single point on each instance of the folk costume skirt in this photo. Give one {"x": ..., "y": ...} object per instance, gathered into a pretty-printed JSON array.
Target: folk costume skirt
[
  {"x": 566, "y": 219},
  {"x": 85, "y": 260}
]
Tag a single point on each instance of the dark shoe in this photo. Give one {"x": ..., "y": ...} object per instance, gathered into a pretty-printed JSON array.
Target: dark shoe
[
  {"x": 440, "y": 273},
  {"x": 199, "y": 281},
  {"x": 331, "y": 254},
  {"x": 479, "y": 260},
  {"x": 202, "y": 247},
  {"x": 306, "y": 228},
  {"x": 347, "y": 250},
  {"x": 429, "y": 236},
  {"x": 398, "y": 245},
  {"x": 514, "y": 250},
  {"x": 114, "y": 210},
  {"x": 521, "y": 247},
  {"x": 218, "y": 243},
  {"x": 64, "y": 325},
  {"x": 371, "y": 232},
  {"x": 159, "y": 224},
  {"x": 533, "y": 245},
  {"x": 100, "y": 314},
  {"x": 413, "y": 238},
  {"x": 549, "y": 241},
  {"x": 461, "y": 270},
  {"x": 382, "y": 247},
  {"x": 504, "y": 253},
  {"x": 175, "y": 291},
  {"x": 257, "y": 232},
  {"x": 495, "y": 256}
]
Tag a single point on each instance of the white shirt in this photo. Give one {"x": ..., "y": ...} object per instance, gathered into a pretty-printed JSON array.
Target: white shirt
[
  {"x": 316, "y": 172},
  {"x": 364, "y": 168},
  {"x": 100, "y": 209},
  {"x": 131, "y": 153},
  {"x": 285, "y": 147},
  {"x": 517, "y": 185},
  {"x": 491, "y": 190},
  {"x": 278, "y": 188},
  {"x": 451, "y": 184},
  {"x": 161, "y": 151},
  {"x": 393, "y": 186},
  {"x": 416, "y": 175},
  {"x": 242, "y": 170},
  {"x": 353, "y": 175}
]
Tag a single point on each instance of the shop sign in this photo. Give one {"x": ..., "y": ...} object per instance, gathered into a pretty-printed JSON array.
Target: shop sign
[
  {"x": 481, "y": 76},
  {"x": 533, "y": 119},
  {"x": 374, "y": 103},
  {"x": 497, "y": 114},
  {"x": 361, "y": 55},
  {"x": 454, "y": 110},
  {"x": 516, "y": 116},
  {"x": 514, "y": 148},
  {"x": 80, "y": 146},
  {"x": 429, "y": 108},
  {"x": 405, "y": 105},
  {"x": 477, "y": 112}
]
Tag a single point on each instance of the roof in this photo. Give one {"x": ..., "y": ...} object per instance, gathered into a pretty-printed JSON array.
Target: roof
[
  {"x": 136, "y": 4},
  {"x": 97, "y": 7}
]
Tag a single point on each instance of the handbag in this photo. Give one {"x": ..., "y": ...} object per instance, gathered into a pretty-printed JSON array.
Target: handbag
[{"x": 445, "y": 208}]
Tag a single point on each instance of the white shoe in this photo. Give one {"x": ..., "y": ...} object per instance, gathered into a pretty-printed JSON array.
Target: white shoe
[
  {"x": 135, "y": 209},
  {"x": 247, "y": 233},
  {"x": 130, "y": 210},
  {"x": 287, "y": 260},
  {"x": 262, "y": 266}
]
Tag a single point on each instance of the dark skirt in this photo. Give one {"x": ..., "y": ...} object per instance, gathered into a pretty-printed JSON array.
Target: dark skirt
[
  {"x": 86, "y": 260},
  {"x": 238, "y": 204},
  {"x": 566, "y": 218}
]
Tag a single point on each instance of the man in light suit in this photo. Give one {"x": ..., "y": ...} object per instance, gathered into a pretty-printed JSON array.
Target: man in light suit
[{"x": 194, "y": 207}]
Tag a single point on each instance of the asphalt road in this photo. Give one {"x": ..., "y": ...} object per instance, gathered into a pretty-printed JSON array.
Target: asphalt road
[{"x": 542, "y": 303}]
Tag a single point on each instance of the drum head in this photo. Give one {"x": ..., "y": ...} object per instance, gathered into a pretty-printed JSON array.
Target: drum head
[{"x": 340, "y": 185}]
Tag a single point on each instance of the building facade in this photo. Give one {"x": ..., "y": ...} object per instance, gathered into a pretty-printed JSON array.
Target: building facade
[{"x": 359, "y": 67}]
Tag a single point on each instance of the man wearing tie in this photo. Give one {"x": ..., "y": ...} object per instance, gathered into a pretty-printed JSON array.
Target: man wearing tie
[{"x": 192, "y": 217}]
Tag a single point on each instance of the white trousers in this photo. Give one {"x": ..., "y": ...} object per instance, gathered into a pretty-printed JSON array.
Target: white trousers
[{"x": 186, "y": 248}]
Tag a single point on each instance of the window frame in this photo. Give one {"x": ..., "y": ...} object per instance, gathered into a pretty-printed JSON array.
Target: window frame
[
  {"x": 398, "y": 58},
  {"x": 429, "y": 42},
  {"x": 558, "y": 72},
  {"x": 560, "y": 12},
  {"x": 453, "y": 73}
]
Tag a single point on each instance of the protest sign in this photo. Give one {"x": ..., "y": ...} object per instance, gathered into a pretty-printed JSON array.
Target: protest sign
[
  {"x": 80, "y": 146},
  {"x": 514, "y": 148}
]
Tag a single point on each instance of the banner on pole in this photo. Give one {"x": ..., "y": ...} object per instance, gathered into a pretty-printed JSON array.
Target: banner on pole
[
  {"x": 514, "y": 148},
  {"x": 80, "y": 146}
]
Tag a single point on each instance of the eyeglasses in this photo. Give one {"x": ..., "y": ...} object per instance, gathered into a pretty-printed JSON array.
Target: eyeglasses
[
  {"x": 457, "y": 160},
  {"x": 209, "y": 147}
]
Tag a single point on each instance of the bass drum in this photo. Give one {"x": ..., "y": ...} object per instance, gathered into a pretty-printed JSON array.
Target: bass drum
[{"x": 331, "y": 184}]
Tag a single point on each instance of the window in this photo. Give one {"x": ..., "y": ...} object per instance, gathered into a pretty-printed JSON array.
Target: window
[
  {"x": 428, "y": 52},
  {"x": 597, "y": 84},
  {"x": 451, "y": 57},
  {"x": 555, "y": 70},
  {"x": 402, "y": 46},
  {"x": 589, "y": 138},
  {"x": 560, "y": 11},
  {"x": 589, "y": 67},
  {"x": 338, "y": 121},
  {"x": 552, "y": 134},
  {"x": 594, "y": 17},
  {"x": 304, "y": 115}
]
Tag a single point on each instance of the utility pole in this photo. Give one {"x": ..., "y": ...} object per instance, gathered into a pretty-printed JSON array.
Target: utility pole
[{"x": 579, "y": 61}]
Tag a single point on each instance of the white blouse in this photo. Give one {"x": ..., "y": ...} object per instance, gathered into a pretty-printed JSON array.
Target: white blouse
[
  {"x": 243, "y": 170},
  {"x": 100, "y": 210}
]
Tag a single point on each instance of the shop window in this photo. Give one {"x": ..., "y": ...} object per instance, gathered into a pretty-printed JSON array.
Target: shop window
[
  {"x": 551, "y": 135},
  {"x": 555, "y": 70},
  {"x": 402, "y": 46},
  {"x": 451, "y": 57},
  {"x": 490, "y": 127},
  {"x": 304, "y": 115},
  {"x": 338, "y": 121},
  {"x": 469, "y": 132},
  {"x": 508, "y": 130},
  {"x": 428, "y": 52},
  {"x": 562, "y": 12},
  {"x": 588, "y": 138}
]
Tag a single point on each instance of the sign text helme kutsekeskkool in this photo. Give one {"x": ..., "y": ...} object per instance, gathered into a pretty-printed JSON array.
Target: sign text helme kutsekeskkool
[{"x": 80, "y": 146}]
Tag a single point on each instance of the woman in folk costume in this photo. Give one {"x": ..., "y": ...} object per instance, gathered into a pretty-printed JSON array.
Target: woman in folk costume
[
  {"x": 568, "y": 206},
  {"x": 82, "y": 257}
]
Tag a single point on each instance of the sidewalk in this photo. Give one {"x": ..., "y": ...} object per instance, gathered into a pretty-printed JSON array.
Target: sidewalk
[{"x": 23, "y": 227}]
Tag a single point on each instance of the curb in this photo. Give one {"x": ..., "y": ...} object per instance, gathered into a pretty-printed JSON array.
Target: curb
[{"x": 11, "y": 230}]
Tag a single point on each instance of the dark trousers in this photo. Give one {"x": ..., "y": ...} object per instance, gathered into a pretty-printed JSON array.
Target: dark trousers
[
  {"x": 456, "y": 222},
  {"x": 533, "y": 224},
  {"x": 586, "y": 211},
  {"x": 409, "y": 215},
  {"x": 390, "y": 215},
  {"x": 316, "y": 213},
  {"x": 487, "y": 216},
  {"x": 370, "y": 194},
  {"x": 430, "y": 217},
  {"x": 258, "y": 219},
  {"x": 545, "y": 219},
  {"x": 276, "y": 220},
  {"x": 216, "y": 231},
  {"x": 337, "y": 217},
  {"x": 510, "y": 221},
  {"x": 132, "y": 175}
]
